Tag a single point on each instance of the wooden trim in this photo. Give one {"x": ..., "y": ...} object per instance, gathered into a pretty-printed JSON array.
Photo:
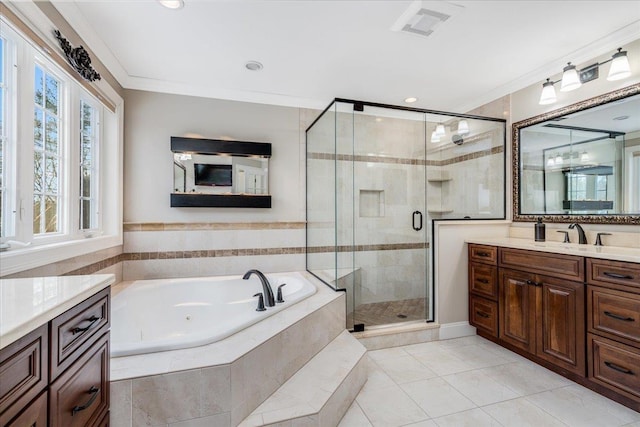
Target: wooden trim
[{"x": 53, "y": 53}]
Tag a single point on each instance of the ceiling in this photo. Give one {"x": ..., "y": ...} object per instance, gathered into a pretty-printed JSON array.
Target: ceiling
[{"x": 314, "y": 51}]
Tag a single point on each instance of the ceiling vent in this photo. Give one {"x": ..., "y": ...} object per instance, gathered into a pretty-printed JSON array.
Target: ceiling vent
[{"x": 422, "y": 18}]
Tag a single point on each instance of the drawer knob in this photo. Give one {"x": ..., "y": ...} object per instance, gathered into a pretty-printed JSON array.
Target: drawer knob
[
  {"x": 617, "y": 276},
  {"x": 93, "y": 391},
  {"x": 485, "y": 281},
  {"x": 483, "y": 254},
  {"x": 481, "y": 314},
  {"x": 618, "y": 317},
  {"x": 618, "y": 368},
  {"x": 92, "y": 320}
]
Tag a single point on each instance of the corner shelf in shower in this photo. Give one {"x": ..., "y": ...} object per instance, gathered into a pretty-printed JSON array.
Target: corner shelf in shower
[
  {"x": 439, "y": 211},
  {"x": 439, "y": 179}
]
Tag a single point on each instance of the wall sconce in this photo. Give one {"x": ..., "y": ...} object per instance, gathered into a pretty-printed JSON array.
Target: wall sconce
[
  {"x": 435, "y": 137},
  {"x": 572, "y": 79},
  {"x": 463, "y": 127}
]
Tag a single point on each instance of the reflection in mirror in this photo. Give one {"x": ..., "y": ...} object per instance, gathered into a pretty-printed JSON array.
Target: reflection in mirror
[{"x": 585, "y": 162}]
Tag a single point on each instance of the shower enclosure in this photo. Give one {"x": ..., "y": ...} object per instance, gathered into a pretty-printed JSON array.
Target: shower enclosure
[{"x": 377, "y": 178}]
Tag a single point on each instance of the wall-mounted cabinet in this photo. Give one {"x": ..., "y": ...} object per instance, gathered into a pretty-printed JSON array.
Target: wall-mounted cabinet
[{"x": 219, "y": 173}]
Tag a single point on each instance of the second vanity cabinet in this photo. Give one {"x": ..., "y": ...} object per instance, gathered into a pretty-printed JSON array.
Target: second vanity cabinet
[{"x": 577, "y": 315}]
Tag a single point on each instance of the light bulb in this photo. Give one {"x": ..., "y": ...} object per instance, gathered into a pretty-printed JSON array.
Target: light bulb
[
  {"x": 463, "y": 127},
  {"x": 620, "y": 68},
  {"x": 548, "y": 95},
  {"x": 570, "y": 78},
  {"x": 434, "y": 137},
  {"x": 440, "y": 130},
  {"x": 172, "y": 4}
]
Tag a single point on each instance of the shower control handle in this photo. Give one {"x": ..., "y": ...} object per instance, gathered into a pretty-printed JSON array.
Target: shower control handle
[
  {"x": 279, "y": 295},
  {"x": 419, "y": 214},
  {"x": 260, "y": 302}
]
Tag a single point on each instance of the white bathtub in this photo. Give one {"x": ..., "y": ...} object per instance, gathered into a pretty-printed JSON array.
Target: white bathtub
[{"x": 169, "y": 314}]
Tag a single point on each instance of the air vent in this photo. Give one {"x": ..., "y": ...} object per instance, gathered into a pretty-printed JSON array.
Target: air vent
[{"x": 422, "y": 18}]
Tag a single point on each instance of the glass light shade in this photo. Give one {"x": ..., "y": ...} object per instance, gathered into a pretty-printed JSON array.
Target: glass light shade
[
  {"x": 584, "y": 157},
  {"x": 559, "y": 159},
  {"x": 440, "y": 130},
  {"x": 550, "y": 161},
  {"x": 570, "y": 78},
  {"x": 463, "y": 127},
  {"x": 548, "y": 95},
  {"x": 620, "y": 68},
  {"x": 434, "y": 137}
]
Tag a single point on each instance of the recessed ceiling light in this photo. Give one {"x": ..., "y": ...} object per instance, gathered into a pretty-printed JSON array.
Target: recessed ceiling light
[
  {"x": 621, "y": 118},
  {"x": 172, "y": 4},
  {"x": 253, "y": 66},
  {"x": 410, "y": 100},
  {"x": 378, "y": 119}
]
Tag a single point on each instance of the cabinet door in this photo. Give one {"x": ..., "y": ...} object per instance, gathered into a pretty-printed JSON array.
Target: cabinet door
[
  {"x": 517, "y": 309},
  {"x": 561, "y": 334}
]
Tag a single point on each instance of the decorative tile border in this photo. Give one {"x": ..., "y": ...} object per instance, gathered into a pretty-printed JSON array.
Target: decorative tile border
[
  {"x": 96, "y": 266},
  {"x": 183, "y": 226}
]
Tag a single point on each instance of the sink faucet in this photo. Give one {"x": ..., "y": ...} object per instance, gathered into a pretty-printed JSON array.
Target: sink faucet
[
  {"x": 582, "y": 238},
  {"x": 270, "y": 301}
]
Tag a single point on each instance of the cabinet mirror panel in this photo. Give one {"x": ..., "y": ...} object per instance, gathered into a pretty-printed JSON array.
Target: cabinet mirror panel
[{"x": 581, "y": 162}]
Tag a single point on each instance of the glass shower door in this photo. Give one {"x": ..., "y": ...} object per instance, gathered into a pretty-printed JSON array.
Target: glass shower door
[{"x": 390, "y": 256}]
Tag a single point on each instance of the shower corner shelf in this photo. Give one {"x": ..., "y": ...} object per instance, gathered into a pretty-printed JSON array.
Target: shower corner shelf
[
  {"x": 440, "y": 210},
  {"x": 439, "y": 179}
]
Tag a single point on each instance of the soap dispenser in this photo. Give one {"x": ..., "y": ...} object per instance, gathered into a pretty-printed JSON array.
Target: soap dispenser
[{"x": 539, "y": 230}]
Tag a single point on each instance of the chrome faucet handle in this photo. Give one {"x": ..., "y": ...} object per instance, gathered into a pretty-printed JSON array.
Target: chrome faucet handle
[
  {"x": 279, "y": 296},
  {"x": 598, "y": 240},
  {"x": 566, "y": 236},
  {"x": 260, "y": 302}
]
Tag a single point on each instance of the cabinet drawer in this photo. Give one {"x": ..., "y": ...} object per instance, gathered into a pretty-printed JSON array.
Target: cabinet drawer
[
  {"x": 483, "y": 280},
  {"x": 614, "y": 313},
  {"x": 80, "y": 396},
  {"x": 484, "y": 254},
  {"x": 605, "y": 272},
  {"x": 35, "y": 415},
  {"x": 614, "y": 365},
  {"x": 555, "y": 265},
  {"x": 483, "y": 314},
  {"x": 23, "y": 369},
  {"x": 74, "y": 331}
]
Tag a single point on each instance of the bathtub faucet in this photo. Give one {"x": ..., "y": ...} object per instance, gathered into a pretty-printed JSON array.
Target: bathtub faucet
[{"x": 270, "y": 301}]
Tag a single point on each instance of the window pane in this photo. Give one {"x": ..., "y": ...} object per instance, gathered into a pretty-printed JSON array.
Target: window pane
[
  {"x": 1, "y": 60},
  {"x": 37, "y": 214},
  {"x": 85, "y": 215},
  {"x": 39, "y": 82},
  {"x": 51, "y": 134},
  {"x": 86, "y": 118},
  {"x": 1, "y": 109},
  {"x": 86, "y": 149},
  {"x": 51, "y": 178},
  {"x": 52, "y": 95},
  {"x": 51, "y": 214},
  {"x": 37, "y": 128},
  {"x": 86, "y": 182},
  {"x": 38, "y": 172}
]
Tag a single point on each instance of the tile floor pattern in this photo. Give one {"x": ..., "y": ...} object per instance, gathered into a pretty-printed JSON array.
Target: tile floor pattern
[
  {"x": 473, "y": 382},
  {"x": 388, "y": 312}
]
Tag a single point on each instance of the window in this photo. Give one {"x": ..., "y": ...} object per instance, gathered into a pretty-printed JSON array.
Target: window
[
  {"x": 89, "y": 131},
  {"x": 3, "y": 108}
]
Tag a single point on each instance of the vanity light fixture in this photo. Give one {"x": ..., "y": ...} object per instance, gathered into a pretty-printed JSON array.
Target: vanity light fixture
[
  {"x": 559, "y": 160},
  {"x": 440, "y": 130},
  {"x": 172, "y": 4},
  {"x": 435, "y": 137},
  {"x": 550, "y": 161},
  {"x": 463, "y": 127},
  {"x": 584, "y": 156},
  {"x": 572, "y": 78}
]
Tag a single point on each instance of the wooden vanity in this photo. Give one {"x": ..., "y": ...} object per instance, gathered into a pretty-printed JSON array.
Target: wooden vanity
[
  {"x": 54, "y": 359},
  {"x": 577, "y": 315}
]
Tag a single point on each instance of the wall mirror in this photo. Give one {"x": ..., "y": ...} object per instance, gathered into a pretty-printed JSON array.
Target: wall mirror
[
  {"x": 217, "y": 173},
  {"x": 580, "y": 162}
]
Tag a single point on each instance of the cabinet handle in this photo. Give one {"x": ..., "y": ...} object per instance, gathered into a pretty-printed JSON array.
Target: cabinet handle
[
  {"x": 92, "y": 320},
  {"x": 94, "y": 394},
  {"x": 483, "y": 254},
  {"x": 618, "y": 368},
  {"x": 531, "y": 282},
  {"x": 485, "y": 281},
  {"x": 481, "y": 314},
  {"x": 617, "y": 276},
  {"x": 617, "y": 316}
]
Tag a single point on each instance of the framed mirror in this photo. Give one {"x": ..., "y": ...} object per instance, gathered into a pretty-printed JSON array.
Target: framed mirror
[
  {"x": 217, "y": 173},
  {"x": 580, "y": 163}
]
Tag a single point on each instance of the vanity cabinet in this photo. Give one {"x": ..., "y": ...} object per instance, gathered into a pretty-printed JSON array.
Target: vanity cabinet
[
  {"x": 613, "y": 324},
  {"x": 58, "y": 374},
  {"x": 483, "y": 289}
]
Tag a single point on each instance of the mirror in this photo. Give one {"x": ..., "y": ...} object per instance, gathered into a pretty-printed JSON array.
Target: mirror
[
  {"x": 216, "y": 173},
  {"x": 581, "y": 162}
]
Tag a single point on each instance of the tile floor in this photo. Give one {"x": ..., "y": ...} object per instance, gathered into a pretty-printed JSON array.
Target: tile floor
[{"x": 473, "y": 382}]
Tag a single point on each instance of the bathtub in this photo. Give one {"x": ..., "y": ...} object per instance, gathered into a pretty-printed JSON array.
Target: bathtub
[{"x": 157, "y": 315}]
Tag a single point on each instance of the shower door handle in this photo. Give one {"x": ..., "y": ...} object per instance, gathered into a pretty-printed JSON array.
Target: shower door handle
[{"x": 419, "y": 214}]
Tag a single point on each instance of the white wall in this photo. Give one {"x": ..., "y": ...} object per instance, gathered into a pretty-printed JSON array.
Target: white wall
[{"x": 151, "y": 119}]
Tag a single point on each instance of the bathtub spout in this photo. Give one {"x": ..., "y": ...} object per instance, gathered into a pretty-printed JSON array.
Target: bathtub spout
[{"x": 270, "y": 301}]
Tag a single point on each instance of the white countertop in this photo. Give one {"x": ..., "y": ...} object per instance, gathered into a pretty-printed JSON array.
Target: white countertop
[
  {"x": 604, "y": 252},
  {"x": 26, "y": 304}
]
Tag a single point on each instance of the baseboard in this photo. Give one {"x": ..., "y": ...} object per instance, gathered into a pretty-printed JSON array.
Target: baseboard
[{"x": 456, "y": 330}]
